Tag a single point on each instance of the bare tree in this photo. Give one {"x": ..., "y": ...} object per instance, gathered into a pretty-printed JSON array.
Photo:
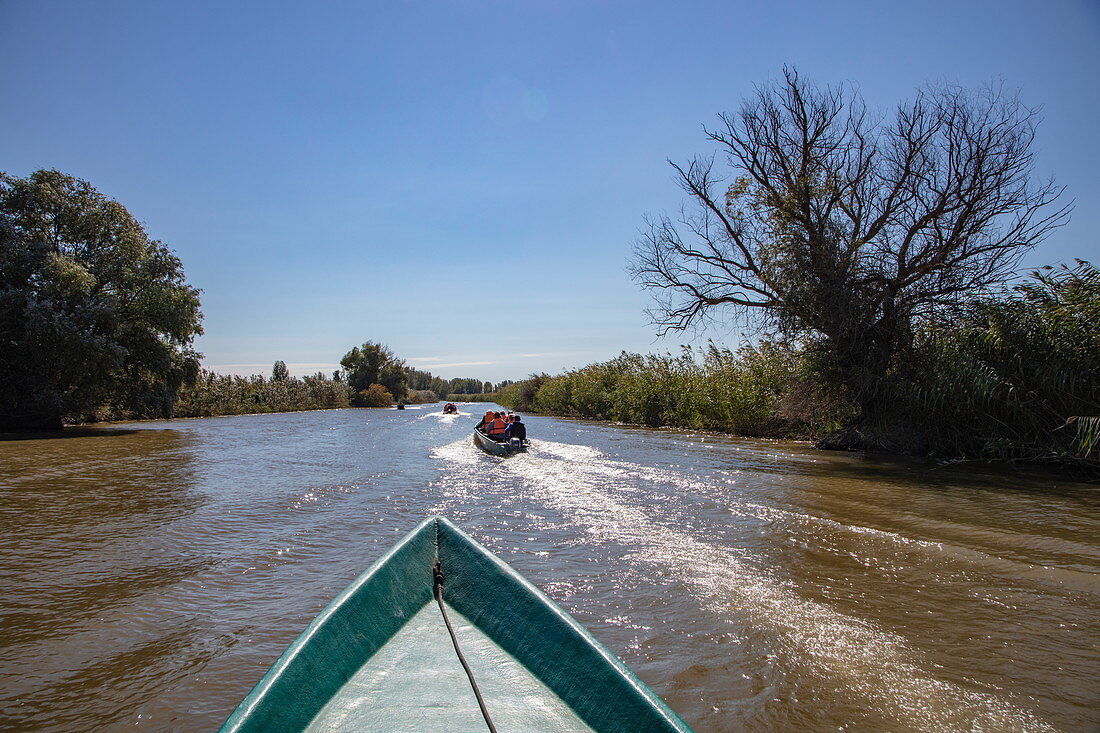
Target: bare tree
[{"x": 834, "y": 223}]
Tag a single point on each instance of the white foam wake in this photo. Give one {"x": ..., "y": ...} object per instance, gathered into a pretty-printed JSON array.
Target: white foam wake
[{"x": 875, "y": 664}]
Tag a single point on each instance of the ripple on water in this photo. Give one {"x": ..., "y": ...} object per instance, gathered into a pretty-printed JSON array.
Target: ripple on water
[
  {"x": 865, "y": 660},
  {"x": 756, "y": 585}
]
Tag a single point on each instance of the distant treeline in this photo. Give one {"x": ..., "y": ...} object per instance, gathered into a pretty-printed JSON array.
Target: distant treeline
[
  {"x": 479, "y": 397},
  {"x": 420, "y": 380},
  {"x": 1009, "y": 378},
  {"x": 212, "y": 394},
  {"x": 216, "y": 394},
  {"x": 376, "y": 377}
]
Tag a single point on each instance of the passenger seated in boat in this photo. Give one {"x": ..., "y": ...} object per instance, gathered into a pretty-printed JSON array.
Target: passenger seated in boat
[
  {"x": 495, "y": 429},
  {"x": 488, "y": 418},
  {"x": 516, "y": 429}
]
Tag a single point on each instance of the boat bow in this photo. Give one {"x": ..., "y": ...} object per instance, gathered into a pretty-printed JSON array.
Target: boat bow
[{"x": 378, "y": 658}]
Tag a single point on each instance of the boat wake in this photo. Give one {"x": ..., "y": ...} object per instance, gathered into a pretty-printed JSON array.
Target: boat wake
[
  {"x": 445, "y": 418},
  {"x": 614, "y": 502}
]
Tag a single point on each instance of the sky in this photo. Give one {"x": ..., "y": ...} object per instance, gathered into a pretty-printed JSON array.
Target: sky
[{"x": 463, "y": 181}]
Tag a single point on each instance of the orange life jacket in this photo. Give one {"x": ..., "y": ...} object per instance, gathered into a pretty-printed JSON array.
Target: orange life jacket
[{"x": 496, "y": 427}]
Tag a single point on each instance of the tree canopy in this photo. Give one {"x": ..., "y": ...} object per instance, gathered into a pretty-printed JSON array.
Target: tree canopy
[
  {"x": 374, "y": 363},
  {"x": 840, "y": 226},
  {"x": 92, "y": 310}
]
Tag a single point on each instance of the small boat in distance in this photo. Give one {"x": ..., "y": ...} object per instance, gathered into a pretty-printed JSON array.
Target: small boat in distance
[
  {"x": 440, "y": 634},
  {"x": 450, "y": 409},
  {"x": 487, "y": 444}
]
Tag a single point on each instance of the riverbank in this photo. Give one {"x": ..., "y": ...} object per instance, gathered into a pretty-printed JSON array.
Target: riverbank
[
  {"x": 216, "y": 395},
  {"x": 950, "y": 404}
]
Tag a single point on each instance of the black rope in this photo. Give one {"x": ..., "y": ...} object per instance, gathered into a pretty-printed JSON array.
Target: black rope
[{"x": 437, "y": 589}]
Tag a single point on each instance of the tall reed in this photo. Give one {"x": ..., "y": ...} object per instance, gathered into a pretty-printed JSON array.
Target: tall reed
[
  {"x": 746, "y": 392},
  {"x": 1016, "y": 377}
]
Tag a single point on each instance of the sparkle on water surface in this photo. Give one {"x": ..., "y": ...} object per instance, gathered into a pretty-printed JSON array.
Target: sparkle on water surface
[{"x": 755, "y": 585}]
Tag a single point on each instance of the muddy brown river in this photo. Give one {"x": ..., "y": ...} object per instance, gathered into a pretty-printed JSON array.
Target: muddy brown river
[{"x": 150, "y": 572}]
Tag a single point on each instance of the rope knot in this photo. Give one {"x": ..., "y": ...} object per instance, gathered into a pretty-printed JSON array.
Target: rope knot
[{"x": 437, "y": 574}]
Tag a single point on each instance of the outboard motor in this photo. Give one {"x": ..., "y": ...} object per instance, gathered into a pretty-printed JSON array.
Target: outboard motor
[{"x": 515, "y": 443}]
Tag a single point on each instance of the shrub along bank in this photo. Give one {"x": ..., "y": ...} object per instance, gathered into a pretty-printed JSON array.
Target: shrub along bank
[
  {"x": 1011, "y": 378},
  {"x": 758, "y": 390}
]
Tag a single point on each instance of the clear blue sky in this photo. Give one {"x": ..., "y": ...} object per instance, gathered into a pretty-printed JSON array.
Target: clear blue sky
[{"x": 463, "y": 180}]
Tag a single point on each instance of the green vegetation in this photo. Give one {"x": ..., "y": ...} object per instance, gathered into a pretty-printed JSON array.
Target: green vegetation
[
  {"x": 489, "y": 393},
  {"x": 876, "y": 250},
  {"x": 421, "y": 396},
  {"x": 876, "y": 253},
  {"x": 373, "y": 365},
  {"x": 849, "y": 231},
  {"x": 1017, "y": 377},
  {"x": 1011, "y": 377},
  {"x": 748, "y": 392},
  {"x": 214, "y": 394},
  {"x": 420, "y": 380},
  {"x": 97, "y": 323},
  {"x": 94, "y": 315},
  {"x": 373, "y": 396},
  {"x": 373, "y": 377}
]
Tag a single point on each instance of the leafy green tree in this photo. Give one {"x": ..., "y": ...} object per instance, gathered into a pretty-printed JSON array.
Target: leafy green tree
[
  {"x": 92, "y": 311},
  {"x": 279, "y": 372},
  {"x": 418, "y": 379},
  {"x": 521, "y": 395},
  {"x": 373, "y": 363}
]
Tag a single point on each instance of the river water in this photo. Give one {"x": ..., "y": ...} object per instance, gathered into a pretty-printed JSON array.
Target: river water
[{"x": 151, "y": 572}]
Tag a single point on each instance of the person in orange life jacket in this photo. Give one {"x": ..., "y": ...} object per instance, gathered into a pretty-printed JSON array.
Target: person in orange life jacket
[
  {"x": 516, "y": 429},
  {"x": 485, "y": 420},
  {"x": 496, "y": 428}
]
